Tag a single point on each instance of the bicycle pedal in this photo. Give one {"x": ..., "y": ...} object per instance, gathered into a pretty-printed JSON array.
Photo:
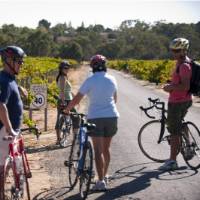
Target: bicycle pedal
[
  {"x": 67, "y": 163},
  {"x": 28, "y": 175}
]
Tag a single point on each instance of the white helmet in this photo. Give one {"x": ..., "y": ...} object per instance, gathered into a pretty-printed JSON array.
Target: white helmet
[{"x": 179, "y": 43}]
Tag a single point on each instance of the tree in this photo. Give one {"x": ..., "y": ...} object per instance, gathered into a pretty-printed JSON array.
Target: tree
[
  {"x": 73, "y": 50},
  {"x": 44, "y": 23}
]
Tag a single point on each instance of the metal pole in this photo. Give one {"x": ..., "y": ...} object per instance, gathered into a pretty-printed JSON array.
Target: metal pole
[{"x": 45, "y": 119}]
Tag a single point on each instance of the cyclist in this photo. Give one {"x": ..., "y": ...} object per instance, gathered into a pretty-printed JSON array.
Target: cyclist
[
  {"x": 65, "y": 94},
  {"x": 101, "y": 88},
  {"x": 179, "y": 98},
  {"x": 11, "y": 106}
]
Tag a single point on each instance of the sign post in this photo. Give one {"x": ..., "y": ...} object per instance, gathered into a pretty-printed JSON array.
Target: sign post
[{"x": 39, "y": 92}]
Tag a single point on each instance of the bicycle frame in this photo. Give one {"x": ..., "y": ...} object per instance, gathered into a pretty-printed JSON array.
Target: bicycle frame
[
  {"x": 83, "y": 139},
  {"x": 17, "y": 164}
]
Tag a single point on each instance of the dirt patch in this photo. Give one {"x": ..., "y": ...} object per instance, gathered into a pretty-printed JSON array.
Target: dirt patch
[{"x": 41, "y": 177}]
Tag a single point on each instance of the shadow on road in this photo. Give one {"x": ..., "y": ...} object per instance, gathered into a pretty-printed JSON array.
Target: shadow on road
[
  {"x": 51, "y": 147},
  {"x": 141, "y": 179},
  {"x": 52, "y": 194}
]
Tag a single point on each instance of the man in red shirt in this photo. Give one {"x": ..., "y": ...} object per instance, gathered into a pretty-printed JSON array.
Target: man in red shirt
[{"x": 179, "y": 98}]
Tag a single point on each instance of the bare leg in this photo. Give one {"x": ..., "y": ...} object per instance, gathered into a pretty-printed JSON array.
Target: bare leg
[
  {"x": 106, "y": 153},
  {"x": 175, "y": 143},
  {"x": 99, "y": 159},
  {"x": 58, "y": 135}
]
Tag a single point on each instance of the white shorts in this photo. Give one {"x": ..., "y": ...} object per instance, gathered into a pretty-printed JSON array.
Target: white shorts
[{"x": 4, "y": 146}]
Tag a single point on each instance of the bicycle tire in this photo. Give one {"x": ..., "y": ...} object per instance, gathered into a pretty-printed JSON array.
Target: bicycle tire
[
  {"x": 73, "y": 162},
  {"x": 86, "y": 175},
  {"x": 65, "y": 128},
  {"x": 194, "y": 135},
  {"x": 24, "y": 183},
  {"x": 9, "y": 187},
  {"x": 148, "y": 142}
]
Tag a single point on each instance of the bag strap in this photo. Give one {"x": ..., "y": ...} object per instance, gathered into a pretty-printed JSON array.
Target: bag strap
[{"x": 178, "y": 67}]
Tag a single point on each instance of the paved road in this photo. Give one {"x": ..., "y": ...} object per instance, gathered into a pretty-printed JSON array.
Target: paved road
[{"x": 134, "y": 177}]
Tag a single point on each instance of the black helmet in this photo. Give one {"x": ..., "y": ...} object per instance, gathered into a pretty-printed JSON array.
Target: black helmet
[
  {"x": 64, "y": 65},
  {"x": 13, "y": 52}
]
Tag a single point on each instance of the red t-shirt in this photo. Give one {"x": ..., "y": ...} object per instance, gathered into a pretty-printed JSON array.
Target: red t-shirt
[{"x": 184, "y": 71}]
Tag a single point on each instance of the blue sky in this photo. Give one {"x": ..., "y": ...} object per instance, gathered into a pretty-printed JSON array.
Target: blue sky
[{"x": 109, "y": 13}]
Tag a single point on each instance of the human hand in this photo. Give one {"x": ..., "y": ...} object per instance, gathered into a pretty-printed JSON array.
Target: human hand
[{"x": 168, "y": 87}]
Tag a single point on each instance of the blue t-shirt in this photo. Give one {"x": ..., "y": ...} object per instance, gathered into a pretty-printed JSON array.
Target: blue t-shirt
[
  {"x": 9, "y": 95},
  {"x": 100, "y": 88}
]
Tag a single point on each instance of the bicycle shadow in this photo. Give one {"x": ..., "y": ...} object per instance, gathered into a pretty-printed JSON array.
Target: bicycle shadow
[
  {"x": 142, "y": 179},
  {"x": 52, "y": 194},
  {"x": 51, "y": 147}
]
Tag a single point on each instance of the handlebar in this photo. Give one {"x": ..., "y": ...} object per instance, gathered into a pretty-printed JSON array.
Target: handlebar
[
  {"x": 34, "y": 130},
  {"x": 155, "y": 103}
]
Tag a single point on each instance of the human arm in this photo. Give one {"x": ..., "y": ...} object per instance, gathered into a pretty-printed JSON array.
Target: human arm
[
  {"x": 76, "y": 100},
  {"x": 183, "y": 84},
  {"x": 62, "y": 88},
  {"x": 23, "y": 92},
  {"x": 5, "y": 118}
]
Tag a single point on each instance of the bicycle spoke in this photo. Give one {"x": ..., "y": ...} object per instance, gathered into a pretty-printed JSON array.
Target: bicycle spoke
[
  {"x": 73, "y": 162},
  {"x": 10, "y": 191},
  {"x": 193, "y": 161},
  {"x": 148, "y": 142},
  {"x": 65, "y": 128},
  {"x": 86, "y": 175}
]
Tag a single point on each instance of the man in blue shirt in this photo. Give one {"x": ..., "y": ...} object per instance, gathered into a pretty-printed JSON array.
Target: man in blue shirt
[{"x": 11, "y": 106}]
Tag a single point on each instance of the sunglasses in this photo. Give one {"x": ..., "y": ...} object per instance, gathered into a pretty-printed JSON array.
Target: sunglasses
[
  {"x": 176, "y": 50},
  {"x": 19, "y": 62}
]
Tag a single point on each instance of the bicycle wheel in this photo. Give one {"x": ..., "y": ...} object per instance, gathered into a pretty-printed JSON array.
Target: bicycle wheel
[
  {"x": 148, "y": 141},
  {"x": 73, "y": 162},
  {"x": 194, "y": 137},
  {"x": 86, "y": 175},
  {"x": 10, "y": 191},
  {"x": 65, "y": 128}
]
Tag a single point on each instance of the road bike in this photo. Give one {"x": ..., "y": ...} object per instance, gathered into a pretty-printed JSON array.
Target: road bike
[
  {"x": 154, "y": 138},
  {"x": 17, "y": 170},
  {"x": 80, "y": 162}
]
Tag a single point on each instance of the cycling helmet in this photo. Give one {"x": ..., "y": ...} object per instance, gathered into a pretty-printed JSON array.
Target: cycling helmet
[
  {"x": 64, "y": 65},
  {"x": 98, "y": 62},
  {"x": 13, "y": 52},
  {"x": 179, "y": 43}
]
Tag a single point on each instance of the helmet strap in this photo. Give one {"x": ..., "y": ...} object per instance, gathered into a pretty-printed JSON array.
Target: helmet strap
[{"x": 11, "y": 68}]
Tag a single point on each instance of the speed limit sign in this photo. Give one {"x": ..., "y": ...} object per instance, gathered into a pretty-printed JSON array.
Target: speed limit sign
[{"x": 40, "y": 96}]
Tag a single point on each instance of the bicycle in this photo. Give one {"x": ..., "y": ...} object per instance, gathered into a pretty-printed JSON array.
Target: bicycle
[
  {"x": 17, "y": 170},
  {"x": 80, "y": 162},
  {"x": 154, "y": 139},
  {"x": 65, "y": 126}
]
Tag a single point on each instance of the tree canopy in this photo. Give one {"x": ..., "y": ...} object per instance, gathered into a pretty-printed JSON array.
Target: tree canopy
[{"x": 132, "y": 39}]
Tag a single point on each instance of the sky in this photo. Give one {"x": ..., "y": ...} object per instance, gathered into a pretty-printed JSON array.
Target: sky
[{"x": 109, "y": 13}]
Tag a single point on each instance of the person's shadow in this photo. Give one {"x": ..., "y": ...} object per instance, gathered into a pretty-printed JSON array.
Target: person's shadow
[{"x": 140, "y": 180}]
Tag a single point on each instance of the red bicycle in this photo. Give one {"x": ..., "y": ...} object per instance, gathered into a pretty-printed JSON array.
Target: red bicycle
[{"x": 17, "y": 170}]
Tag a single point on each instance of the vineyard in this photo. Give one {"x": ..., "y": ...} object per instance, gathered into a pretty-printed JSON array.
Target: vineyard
[{"x": 157, "y": 71}]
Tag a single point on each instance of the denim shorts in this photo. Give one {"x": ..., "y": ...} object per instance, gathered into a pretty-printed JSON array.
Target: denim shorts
[
  {"x": 105, "y": 127},
  {"x": 175, "y": 115}
]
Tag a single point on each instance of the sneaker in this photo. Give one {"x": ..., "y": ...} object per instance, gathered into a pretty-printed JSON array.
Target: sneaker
[
  {"x": 169, "y": 165},
  {"x": 107, "y": 179},
  {"x": 99, "y": 186}
]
